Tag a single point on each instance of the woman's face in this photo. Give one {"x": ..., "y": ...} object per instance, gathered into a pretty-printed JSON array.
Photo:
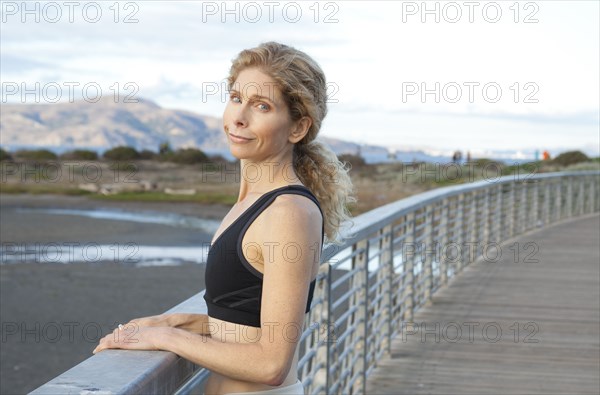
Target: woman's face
[{"x": 257, "y": 114}]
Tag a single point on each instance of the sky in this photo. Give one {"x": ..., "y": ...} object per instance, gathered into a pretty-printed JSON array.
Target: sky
[{"x": 438, "y": 76}]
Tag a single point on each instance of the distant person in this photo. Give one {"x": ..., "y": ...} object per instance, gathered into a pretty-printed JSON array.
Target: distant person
[
  {"x": 546, "y": 155},
  {"x": 455, "y": 157},
  {"x": 537, "y": 155},
  {"x": 299, "y": 203},
  {"x": 468, "y": 156}
]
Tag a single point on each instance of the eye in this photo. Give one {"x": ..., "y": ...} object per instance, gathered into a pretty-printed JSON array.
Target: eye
[
  {"x": 265, "y": 106},
  {"x": 233, "y": 97}
]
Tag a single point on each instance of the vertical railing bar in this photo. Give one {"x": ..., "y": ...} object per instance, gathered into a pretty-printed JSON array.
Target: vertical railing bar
[
  {"x": 329, "y": 329},
  {"x": 391, "y": 286},
  {"x": 427, "y": 261},
  {"x": 443, "y": 264},
  {"x": 558, "y": 206},
  {"x": 569, "y": 198},
  {"x": 409, "y": 267},
  {"x": 366, "y": 319}
]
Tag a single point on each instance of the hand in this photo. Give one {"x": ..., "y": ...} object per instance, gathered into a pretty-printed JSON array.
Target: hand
[
  {"x": 155, "y": 320},
  {"x": 130, "y": 337}
]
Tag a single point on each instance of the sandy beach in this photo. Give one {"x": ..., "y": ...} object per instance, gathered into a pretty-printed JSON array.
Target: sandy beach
[{"x": 53, "y": 314}]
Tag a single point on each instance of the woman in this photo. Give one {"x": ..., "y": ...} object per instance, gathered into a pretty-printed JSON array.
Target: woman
[{"x": 262, "y": 264}]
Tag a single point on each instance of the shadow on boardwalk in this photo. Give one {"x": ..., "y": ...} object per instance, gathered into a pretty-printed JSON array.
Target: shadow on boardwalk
[{"x": 528, "y": 323}]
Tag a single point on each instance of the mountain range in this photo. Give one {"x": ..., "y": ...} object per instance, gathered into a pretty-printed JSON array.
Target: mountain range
[{"x": 105, "y": 124}]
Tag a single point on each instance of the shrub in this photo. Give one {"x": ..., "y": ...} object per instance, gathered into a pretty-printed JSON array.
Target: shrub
[
  {"x": 80, "y": 154},
  {"x": 483, "y": 162},
  {"x": 36, "y": 155},
  {"x": 147, "y": 154},
  {"x": 187, "y": 156},
  {"x": 4, "y": 155},
  {"x": 570, "y": 158},
  {"x": 164, "y": 148},
  {"x": 121, "y": 153}
]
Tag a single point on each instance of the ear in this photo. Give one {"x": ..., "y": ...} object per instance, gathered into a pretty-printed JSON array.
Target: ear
[{"x": 300, "y": 129}]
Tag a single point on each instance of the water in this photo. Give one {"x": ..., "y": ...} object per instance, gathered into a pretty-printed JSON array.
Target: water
[
  {"x": 150, "y": 217},
  {"x": 123, "y": 253},
  {"x": 131, "y": 254}
]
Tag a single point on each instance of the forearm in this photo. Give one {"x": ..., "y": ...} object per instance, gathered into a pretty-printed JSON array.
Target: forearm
[{"x": 242, "y": 361}]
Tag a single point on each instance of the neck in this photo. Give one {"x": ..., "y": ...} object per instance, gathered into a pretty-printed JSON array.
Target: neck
[{"x": 259, "y": 177}]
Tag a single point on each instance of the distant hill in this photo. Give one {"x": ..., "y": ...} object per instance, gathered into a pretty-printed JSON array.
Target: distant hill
[{"x": 105, "y": 124}]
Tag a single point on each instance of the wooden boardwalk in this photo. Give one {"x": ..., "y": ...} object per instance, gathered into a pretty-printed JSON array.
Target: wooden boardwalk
[{"x": 548, "y": 313}]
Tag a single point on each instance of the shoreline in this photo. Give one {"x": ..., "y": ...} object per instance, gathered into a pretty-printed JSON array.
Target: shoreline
[{"x": 200, "y": 210}]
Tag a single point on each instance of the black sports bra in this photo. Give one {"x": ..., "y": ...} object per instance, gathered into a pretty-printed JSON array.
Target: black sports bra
[{"x": 233, "y": 286}]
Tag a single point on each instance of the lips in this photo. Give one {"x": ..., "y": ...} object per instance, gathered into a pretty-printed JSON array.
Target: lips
[{"x": 240, "y": 137}]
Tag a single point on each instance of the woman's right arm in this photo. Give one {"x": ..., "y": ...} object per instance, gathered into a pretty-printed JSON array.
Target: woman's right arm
[{"x": 196, "y": 323}]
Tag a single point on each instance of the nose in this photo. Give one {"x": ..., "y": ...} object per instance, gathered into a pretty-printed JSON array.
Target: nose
[{"x": 240, "y": 119}]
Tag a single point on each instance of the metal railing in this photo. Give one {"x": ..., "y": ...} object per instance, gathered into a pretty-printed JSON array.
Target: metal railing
[{"x": 396, "y": 258}]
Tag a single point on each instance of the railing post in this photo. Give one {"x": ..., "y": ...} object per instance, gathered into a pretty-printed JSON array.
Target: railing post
[
  {"x": 321, "y": 377},
  {"x": 535, "y": 196},
  {"x": 461, "y": 234},
  {"x": 511, "y": 209},
  {"x": 473, "y": 224},
  {"x": 592, "y": 194},
  {"x": 358, "y": 299},
  {"x": 569, "y": 204},
  {"x": 468, "y": 226},
  {"x": 522, "y": 220},
  {"x": 428, "y": 259},
  {"x": 596, "y": 201},
  {"x": 487, "y": 215},
  {"x": 581, "y": 196},
  {"x": 500, "y": 216},
  {"x": 558, "y": 204},
  {"x": 409, "y": 260},
  {"x": 330, "y": 329},
  {"x": 365, "y": 324},
  {"x": 386, "y": 246},
  {"x": 547, "y": 193},
  {"x": 443, "y": 226}
]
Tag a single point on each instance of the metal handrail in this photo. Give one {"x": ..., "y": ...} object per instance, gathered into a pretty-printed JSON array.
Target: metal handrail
[{"x": 387, "y": 287}]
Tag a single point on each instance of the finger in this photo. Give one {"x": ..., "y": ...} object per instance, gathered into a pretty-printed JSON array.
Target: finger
[{"x": 99, "y": 347}]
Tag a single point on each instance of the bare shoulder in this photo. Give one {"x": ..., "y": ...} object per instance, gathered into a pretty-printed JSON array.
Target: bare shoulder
[
  {"x": 294, "y": 206},
  {"x": 292, "y": 215}
]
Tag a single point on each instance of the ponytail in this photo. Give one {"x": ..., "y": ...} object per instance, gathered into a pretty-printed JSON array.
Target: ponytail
[{"x": 320, "y": 170}]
